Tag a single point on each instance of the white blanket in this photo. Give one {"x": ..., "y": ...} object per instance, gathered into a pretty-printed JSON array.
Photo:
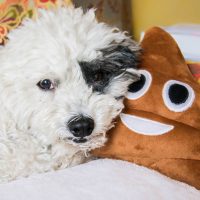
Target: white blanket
[{"x": 99, "y": 180}]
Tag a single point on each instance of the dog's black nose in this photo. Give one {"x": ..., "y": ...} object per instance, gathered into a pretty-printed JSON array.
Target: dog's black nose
[{"x": 81, "y": 126}]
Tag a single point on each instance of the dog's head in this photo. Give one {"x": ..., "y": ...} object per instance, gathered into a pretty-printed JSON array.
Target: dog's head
[{"x": 64, "y": 76}]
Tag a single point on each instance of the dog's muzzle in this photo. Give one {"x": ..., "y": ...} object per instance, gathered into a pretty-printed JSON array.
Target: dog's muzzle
[{"x": 80, "y": 127}]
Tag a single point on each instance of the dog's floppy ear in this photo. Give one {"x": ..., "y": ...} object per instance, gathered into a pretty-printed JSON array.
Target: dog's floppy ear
[{"x": 125, "y": 54}]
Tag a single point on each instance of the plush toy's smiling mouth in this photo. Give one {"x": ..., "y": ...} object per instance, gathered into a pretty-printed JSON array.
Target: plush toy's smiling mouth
[{"x": 144, "y": 126}]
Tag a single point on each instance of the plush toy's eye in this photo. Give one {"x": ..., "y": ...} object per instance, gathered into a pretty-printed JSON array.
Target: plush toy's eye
[
  {"x": 45, "y": 84},
  {"x": 140, "y": 87},
  {"x": 178, "y": 96}
]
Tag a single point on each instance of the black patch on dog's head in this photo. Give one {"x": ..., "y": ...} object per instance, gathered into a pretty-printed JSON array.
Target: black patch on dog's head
[{"x": 115, "y": 60}]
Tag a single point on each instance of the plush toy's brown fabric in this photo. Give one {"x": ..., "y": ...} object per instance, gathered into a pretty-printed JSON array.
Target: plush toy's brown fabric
[{"x": 177, "y": 152}]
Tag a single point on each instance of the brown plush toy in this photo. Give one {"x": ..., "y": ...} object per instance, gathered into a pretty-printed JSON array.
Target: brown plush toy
[{"x": 160, "y": 125}]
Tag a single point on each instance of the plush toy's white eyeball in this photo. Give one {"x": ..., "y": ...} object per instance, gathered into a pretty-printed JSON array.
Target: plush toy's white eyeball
[
  {"x": 139, "y": 88},
  {"x": 178, "y": 96}
]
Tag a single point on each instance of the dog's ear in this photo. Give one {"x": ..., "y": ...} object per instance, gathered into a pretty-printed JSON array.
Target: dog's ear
[{"x": 125, "y": 54}]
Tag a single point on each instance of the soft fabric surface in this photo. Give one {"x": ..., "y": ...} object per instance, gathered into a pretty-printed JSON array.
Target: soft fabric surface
[
  {"x": 99, "y": 179},
  {"x": 12, "y": 12}
]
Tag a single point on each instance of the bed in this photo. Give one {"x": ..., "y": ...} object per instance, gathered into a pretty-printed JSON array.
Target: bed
[{"x": 96, "y": 180}]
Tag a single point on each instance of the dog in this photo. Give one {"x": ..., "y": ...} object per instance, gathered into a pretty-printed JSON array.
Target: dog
[{"x": 63, "y": 77}]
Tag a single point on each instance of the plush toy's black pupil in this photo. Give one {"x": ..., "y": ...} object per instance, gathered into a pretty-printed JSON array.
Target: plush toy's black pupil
[
  {"x": 138, "y": 85},
  {"x": 178, "y": 94}
]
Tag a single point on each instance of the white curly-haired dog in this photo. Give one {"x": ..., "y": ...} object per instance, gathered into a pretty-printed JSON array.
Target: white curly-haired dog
[{"x": 62, "y": 82}]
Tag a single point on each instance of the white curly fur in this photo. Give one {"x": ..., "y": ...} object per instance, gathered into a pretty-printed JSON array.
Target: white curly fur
[{"x": 33, "y": 133}]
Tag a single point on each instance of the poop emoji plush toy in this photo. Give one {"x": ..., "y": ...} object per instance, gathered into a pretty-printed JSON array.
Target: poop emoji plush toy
[{"x": 160, "y": 125}]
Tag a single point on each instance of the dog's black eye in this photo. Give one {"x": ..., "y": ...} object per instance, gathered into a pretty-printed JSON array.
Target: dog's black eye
[
  {"x": 97, "y": 74},
  {"x": 100, "y": 76},
  {"x": 45, "y": 84}
]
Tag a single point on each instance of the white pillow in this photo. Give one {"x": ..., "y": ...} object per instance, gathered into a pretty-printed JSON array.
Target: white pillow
[{"x": 99, "y": 180}]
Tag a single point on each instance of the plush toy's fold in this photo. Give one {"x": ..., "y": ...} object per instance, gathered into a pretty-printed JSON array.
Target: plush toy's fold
[{"x": 160, "y": 126}]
